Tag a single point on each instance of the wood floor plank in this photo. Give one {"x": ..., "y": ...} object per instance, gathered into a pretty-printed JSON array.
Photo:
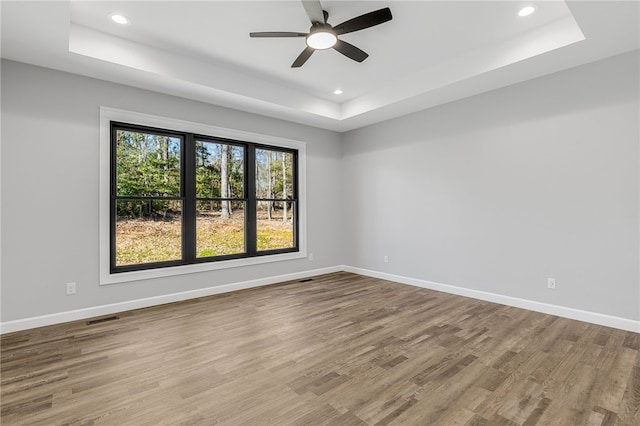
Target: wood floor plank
[{"x": 340, "y": 349}]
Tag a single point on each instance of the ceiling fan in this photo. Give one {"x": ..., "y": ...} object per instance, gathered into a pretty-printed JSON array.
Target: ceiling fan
[{"x": 322, "y": 35}]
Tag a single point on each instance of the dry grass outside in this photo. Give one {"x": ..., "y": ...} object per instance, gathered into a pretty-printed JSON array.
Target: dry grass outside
[
  {"x": 157, "y": 240},
  {"x": 147, "y": 240},
  {"x": 216, "y": 236}
]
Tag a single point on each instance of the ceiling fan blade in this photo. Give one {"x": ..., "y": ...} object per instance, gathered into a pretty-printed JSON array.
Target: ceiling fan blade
[
  {"x": 364, "y": 21},
  {"x": 350, "y": 51},
  {"x": 277, "y": 34},
  {"x": 302, "y": 58},
  {"x": 314, "y": 11}
]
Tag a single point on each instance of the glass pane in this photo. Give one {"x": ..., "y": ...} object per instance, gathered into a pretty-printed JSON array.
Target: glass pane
[
  {"x": 147, "y": 164},
  {"x": 148, "y": 231},
  {"x": 275, "y": 224},
  {"x": 274, "y": 174},
  {"x": 219, "y": 170},
  {"x": 219, "y": 228}
]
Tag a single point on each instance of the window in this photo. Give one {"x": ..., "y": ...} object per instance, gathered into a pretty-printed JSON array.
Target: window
[{"x": 180, "y": 198}]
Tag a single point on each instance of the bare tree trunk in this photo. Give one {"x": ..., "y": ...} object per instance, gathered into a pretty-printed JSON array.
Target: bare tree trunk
[
  {"x": 229, "y": 202},
  {"x": 224, "y": 181},
  {"x": 212, "y": 204},
  {"x": 284, "y": 189},
  {"x": 269, "y": 186},
  {"x": 165, "y": 159}
]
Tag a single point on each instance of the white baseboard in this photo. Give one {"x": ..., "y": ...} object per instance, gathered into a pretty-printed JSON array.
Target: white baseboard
[
  {"x": 79, "y": 314},
  {"x": 561, "y": 311}
]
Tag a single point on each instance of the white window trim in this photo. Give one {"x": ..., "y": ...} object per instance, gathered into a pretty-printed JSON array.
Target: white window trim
[{"x": 108, "y": 114}]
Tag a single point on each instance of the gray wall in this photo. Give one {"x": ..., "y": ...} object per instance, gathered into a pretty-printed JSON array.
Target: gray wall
[
  {"x": 493, "y": 193},
  {"x": 50, "y": 161},
  {"x": 500, "y": 191}
]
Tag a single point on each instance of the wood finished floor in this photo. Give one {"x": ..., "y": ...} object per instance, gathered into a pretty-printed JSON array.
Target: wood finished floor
[{"x": 341, "y": 349}]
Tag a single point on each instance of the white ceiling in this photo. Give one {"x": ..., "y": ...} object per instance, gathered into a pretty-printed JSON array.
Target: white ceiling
[{"x": 432, "y": 52}]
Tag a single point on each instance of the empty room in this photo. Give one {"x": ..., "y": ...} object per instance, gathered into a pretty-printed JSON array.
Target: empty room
[{"x": 320, "y": 212}]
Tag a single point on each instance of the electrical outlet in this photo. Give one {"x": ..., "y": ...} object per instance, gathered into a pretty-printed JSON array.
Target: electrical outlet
[
  {"x": 551, "y": 283},
  {"x": 71, "y": 288},
  {"x": 310, "y": 256},
  {"x": 386, "y": 259}
]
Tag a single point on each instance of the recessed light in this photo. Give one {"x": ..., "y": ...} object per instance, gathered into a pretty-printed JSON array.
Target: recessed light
[
  {"x": 526, "y": 11},
  {"x": 337, "y": 92},
  {"x": 119, "y": 19}
]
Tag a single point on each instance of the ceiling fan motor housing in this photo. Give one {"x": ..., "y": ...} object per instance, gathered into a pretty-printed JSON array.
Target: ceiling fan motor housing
[{"x": 321, "y": 36}]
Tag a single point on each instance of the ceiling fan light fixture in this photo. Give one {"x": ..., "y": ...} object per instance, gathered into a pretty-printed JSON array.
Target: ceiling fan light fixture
[{"x": 320, "y": 40}]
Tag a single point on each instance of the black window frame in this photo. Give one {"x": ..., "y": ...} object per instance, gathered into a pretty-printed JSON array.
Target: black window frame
[{"x": 189, "y": 198}]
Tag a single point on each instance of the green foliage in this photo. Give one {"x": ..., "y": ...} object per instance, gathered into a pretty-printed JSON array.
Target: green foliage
[
  {"x": 274, "y": 174},
  {"x": 209, "y": 170},
  {"x": 147, "y": 165},
  {"x": 149, "y": 224}
]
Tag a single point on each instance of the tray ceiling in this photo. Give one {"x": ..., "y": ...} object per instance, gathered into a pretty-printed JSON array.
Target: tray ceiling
[{"x": 430, "y": 53}]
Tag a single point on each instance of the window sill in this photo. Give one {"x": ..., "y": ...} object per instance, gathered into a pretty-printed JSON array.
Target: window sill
[{"x": 123, "y": 277}]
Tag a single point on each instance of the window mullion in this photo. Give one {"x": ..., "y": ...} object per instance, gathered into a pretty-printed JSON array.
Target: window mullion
[
  {"x": 295, "y": 195},
  {"x": 189, "y": 200},
  {"x": 250, "y": 216},
  {"x": 113, "y": 185}
]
